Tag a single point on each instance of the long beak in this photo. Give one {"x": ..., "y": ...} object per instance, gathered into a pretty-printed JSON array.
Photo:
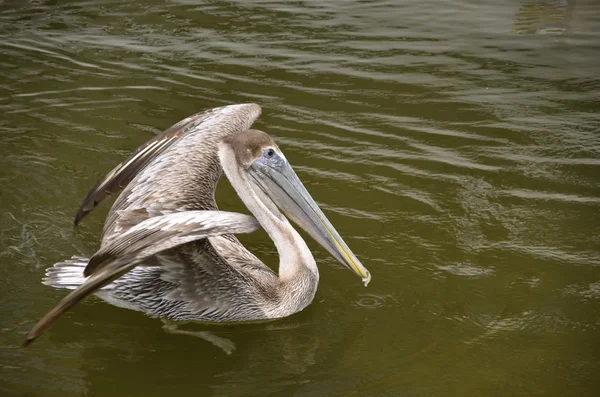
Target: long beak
[{"x": 285, "y": 189}]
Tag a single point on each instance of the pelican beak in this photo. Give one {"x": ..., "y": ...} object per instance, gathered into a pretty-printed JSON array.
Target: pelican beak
[{"x": 283, "y": 187}]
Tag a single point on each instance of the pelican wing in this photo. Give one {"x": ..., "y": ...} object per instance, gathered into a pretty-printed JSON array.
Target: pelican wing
[
  {"x": 117, "y": 179},
  {"x": 142, "y": 241},
  {"x": 122, "y": 174},
  {"x": 183, "y": 177},
  {"x": 160, "y": 233}
]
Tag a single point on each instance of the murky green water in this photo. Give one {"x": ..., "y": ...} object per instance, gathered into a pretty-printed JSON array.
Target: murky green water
[{"x": 455, "y": 146}]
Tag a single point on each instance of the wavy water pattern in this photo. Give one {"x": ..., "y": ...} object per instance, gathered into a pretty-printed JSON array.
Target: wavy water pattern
[{"x": 454, "y": 145}]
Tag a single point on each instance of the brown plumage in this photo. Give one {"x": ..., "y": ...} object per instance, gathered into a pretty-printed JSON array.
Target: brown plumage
[{"x": 168, "y": 251}]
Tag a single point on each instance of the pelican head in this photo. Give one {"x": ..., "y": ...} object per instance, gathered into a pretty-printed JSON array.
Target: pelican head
[{"x": 254, "y": 160}]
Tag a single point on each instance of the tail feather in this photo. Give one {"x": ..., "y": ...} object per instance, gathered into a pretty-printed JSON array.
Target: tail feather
[{"x": 67, "y": 274}]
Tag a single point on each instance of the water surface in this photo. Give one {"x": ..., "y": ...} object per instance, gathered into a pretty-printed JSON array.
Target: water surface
[{"x": 454, "y": 145}]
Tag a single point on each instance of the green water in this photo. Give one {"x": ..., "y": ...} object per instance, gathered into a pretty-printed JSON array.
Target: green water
[{"x": 454, "y": 145}]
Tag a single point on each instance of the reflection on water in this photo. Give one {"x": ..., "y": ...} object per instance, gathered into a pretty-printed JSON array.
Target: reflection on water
[
  {"x": 544, "y": 17},
  {"x": 454, "y": 146}
]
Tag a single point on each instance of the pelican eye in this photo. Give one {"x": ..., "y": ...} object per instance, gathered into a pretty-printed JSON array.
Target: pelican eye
[{"x": 270, "y": 158}]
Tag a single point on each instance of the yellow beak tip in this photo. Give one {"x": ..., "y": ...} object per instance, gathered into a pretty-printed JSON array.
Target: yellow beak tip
[{"x": 367, "y": 279}]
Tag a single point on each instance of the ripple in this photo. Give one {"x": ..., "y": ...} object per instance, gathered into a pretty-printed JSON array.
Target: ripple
[
  {"x": 374, "y": 301},
  {"x": 79, "y": 89},
  {"x": 588, "y": 292},
  {"x": 528, "y": 158},
  {"x": 421, "y": 125},
  {"x": 540, "y": 17},
  {"x": 535, "y": 195},
  {"x": 552, "y": 253},
  {"x": 431, "y": 131},
  {"x": 465, "y": 270},
  {"x": 34, "y": 47}
]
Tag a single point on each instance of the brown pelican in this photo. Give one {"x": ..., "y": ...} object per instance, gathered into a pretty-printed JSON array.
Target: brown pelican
[{"x": 169, "y": 252}]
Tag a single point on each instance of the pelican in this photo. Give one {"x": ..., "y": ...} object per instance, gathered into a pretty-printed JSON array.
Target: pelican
[{"x": 169, "y": 252}]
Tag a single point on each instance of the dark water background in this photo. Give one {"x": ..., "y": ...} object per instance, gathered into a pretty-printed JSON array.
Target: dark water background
[{"x": 454, "y": 144}]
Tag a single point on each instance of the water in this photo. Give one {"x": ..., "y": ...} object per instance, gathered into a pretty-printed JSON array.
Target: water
[{"x": 454, "y": 145}]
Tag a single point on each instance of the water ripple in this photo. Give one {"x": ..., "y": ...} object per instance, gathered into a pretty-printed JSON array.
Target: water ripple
[
  {"x": 455, "y": 146},
  {"x": 466, "y": 270},
  {"x": 531, "y": 194},
  {"x": 374, "y": 301}
]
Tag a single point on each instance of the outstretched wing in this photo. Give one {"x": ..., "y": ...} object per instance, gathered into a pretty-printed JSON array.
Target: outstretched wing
[
  {"x": 142, "y": 241},
  {"x": 122, "y": 174},
  {"x": 240, "y": 116}
]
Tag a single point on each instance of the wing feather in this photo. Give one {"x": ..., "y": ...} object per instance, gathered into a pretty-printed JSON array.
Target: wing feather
[
  {"x": 160, "y": 233},
  {"x": 142, "y": 241},
  {"x": 118, "y": 178}
]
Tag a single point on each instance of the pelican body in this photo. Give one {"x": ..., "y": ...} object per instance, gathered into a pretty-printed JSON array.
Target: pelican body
[{"x": 168, "y": 251}]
